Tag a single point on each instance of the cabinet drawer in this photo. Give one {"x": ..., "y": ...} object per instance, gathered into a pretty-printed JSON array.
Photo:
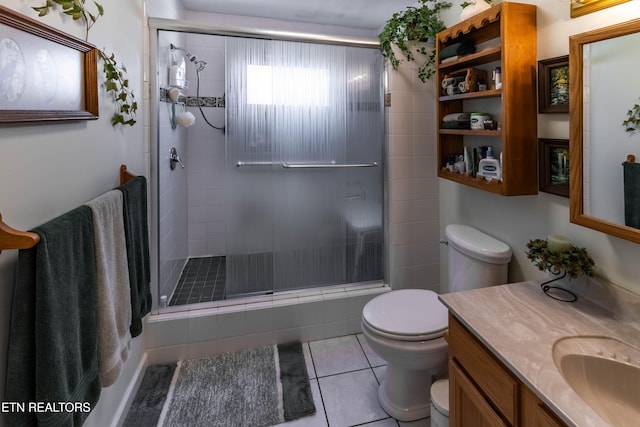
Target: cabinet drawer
[
  {"x": 468, "y": 405},
  {"x": 492, "y": 379}
]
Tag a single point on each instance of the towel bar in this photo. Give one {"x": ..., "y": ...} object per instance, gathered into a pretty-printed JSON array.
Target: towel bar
[{"x": 10, "y": 238}]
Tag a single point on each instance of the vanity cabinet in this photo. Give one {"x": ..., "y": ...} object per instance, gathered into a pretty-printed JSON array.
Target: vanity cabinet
[
  {"x": 505, "y": 37},
  {"x": 483, "y": 392}
]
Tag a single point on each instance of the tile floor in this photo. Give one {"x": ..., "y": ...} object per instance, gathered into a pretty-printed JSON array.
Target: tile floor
[{"x": 345, "y": 374}]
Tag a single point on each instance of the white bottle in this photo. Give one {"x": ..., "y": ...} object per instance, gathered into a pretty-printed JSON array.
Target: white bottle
[
  {"x": 498, "y": 78},
  {"x": 177, "y": 71},
  {"x": 490, "y": 168}
]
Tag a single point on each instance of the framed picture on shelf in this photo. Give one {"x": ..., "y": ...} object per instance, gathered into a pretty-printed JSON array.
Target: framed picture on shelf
[
  {"x": 553, "y": 169},
  {"x": 45, "y": 74},
  {"x": 553, "y": 85},
  {"x": 582, "y": 7}
]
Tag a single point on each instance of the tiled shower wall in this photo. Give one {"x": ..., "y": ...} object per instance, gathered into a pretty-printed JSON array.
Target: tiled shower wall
[
  {"x": 205, "y": 151},
  {"x": 413, "y": 181}
]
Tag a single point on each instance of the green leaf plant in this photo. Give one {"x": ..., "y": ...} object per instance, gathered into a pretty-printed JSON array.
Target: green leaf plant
[
  {"x": 574, "y": 260},
  {"x": 115, "y": 73},
  {"x": 632, "y": 122},
  {"x": 414, "y": 24}
]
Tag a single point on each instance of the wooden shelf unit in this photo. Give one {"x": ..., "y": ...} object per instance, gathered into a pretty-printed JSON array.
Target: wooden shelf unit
[{"x": 514, "y": 24}]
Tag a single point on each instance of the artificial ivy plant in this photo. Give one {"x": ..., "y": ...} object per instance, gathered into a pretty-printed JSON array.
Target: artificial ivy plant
[
  {"x": 115, "y": 73},
  {"x": 632, "y": 122},
  {"x": 574, "y": 261},
  {"x": 406, "y": 28}
]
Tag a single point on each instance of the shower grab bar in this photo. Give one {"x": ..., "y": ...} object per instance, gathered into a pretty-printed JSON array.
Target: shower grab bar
[
  {"x": 328, "y": 165},
  {"x": 310, "y": 165},
  {"x": 241, "y": 164}
]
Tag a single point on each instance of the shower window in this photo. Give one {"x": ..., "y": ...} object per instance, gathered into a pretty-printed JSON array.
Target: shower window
[{"x": 267, "y": 85}]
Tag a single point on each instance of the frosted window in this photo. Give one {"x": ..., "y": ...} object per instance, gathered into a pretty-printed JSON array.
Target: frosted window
[{"x": 287, "y": 86}]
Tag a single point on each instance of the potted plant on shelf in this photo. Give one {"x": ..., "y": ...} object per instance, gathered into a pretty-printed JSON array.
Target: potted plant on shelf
[
  {"x": 559, "y": 257},
  {"x": 409, "y": 29}
]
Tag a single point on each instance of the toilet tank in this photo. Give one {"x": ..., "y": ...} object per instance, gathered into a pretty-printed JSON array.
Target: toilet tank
[{"x": 476, "y": 260}]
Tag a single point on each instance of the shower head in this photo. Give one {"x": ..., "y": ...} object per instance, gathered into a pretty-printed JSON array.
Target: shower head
[{"x": 200, "y": 65}]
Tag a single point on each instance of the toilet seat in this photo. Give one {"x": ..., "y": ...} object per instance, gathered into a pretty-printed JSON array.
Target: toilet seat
[{"x": 406, "y": 315}]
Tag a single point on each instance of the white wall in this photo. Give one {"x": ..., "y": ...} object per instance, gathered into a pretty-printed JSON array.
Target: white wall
[
  {"x": 50, "y": 169},
  {"x": 515, "y": 220}
]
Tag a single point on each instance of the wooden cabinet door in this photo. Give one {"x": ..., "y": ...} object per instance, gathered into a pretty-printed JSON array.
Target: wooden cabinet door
[
  {"x": 468, "y": 408},
  {"x": 535, "y": 413}
]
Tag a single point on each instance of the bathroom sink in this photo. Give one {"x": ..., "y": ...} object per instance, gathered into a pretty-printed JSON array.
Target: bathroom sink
[{"x": 605, "y": 373}]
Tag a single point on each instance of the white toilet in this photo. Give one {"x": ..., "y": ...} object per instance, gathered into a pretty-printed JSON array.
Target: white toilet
[{"x": 406, "y": 327}]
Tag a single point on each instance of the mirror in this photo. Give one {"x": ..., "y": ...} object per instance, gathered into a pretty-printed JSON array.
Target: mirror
[{"x": 603, "y": 68}]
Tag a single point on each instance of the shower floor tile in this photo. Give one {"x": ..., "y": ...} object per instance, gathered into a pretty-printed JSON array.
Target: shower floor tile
[{"x": 202, "y": 280}]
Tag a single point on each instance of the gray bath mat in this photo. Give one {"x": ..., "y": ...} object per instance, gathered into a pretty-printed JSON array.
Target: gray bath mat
[
  {"x": 257, "y": 387},
  {"x": 296, "y": 390},
  {"x": 147, "y": 406}
]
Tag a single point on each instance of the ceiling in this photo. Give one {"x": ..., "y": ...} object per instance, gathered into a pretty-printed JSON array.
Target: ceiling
[{"x": 362, "y": 14}]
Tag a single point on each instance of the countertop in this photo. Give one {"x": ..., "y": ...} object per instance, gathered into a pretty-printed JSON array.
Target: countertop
[{"x": 519, "y": 324}]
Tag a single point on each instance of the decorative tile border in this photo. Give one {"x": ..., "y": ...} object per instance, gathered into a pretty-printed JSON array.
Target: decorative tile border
[{"x": 192, "y": 101}]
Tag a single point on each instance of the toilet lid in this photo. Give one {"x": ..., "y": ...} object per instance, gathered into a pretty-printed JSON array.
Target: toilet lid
[{"x": 410, "y": 314}]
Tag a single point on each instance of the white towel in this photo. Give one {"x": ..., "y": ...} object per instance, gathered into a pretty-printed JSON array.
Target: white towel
[{"x": 114, "y": 294}]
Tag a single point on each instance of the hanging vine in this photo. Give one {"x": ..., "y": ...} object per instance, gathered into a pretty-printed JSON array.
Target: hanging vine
[{"x": 116, "y": 81}]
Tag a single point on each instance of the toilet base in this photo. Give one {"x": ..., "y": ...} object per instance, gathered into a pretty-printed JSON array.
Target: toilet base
[{"x": 405, "y": 393}]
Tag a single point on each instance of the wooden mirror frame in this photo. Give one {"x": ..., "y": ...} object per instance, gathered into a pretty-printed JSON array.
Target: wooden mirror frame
[
  {"x": 580, "y": 8},
  {"x": 576, "y": 191}
]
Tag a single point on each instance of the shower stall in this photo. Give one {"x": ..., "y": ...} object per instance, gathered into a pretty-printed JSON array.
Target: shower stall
[{"x": 267, "y": 163}]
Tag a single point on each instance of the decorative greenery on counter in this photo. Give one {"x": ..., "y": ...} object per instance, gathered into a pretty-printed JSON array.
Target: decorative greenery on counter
[
  {"x": 574, "y": 261},
  {"x": 632, "y": 123},
  {"x": 406, "y": 28},
  {"x": 115, "y": 73}
]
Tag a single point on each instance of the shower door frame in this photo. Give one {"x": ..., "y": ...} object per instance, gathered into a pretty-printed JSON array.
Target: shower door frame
[{"x": 160, "y": 24}]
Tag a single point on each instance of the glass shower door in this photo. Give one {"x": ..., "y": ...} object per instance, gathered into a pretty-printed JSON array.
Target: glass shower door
[{"x": 304, "y": 173}]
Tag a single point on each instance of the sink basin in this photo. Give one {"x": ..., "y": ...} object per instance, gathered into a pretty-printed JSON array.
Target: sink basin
[{"x": 605, "y": 373}]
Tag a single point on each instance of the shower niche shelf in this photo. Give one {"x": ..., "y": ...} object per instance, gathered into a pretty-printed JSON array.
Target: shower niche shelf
[{"x": 509, "y": 31}]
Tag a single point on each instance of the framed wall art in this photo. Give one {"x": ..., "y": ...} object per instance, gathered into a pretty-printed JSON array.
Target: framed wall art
[
  {"x": 582, "y": 7},
  {"x": 553, "y": 169},
  {"x": 45, "y": 74},
  {"x": 553, "y": 85}
]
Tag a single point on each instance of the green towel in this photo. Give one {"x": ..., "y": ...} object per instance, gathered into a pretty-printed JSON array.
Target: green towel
[
  {"x": 137, "y": 240},
  {"x": 53, "y": 347},
  {"x": 631, "y": 184}
]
